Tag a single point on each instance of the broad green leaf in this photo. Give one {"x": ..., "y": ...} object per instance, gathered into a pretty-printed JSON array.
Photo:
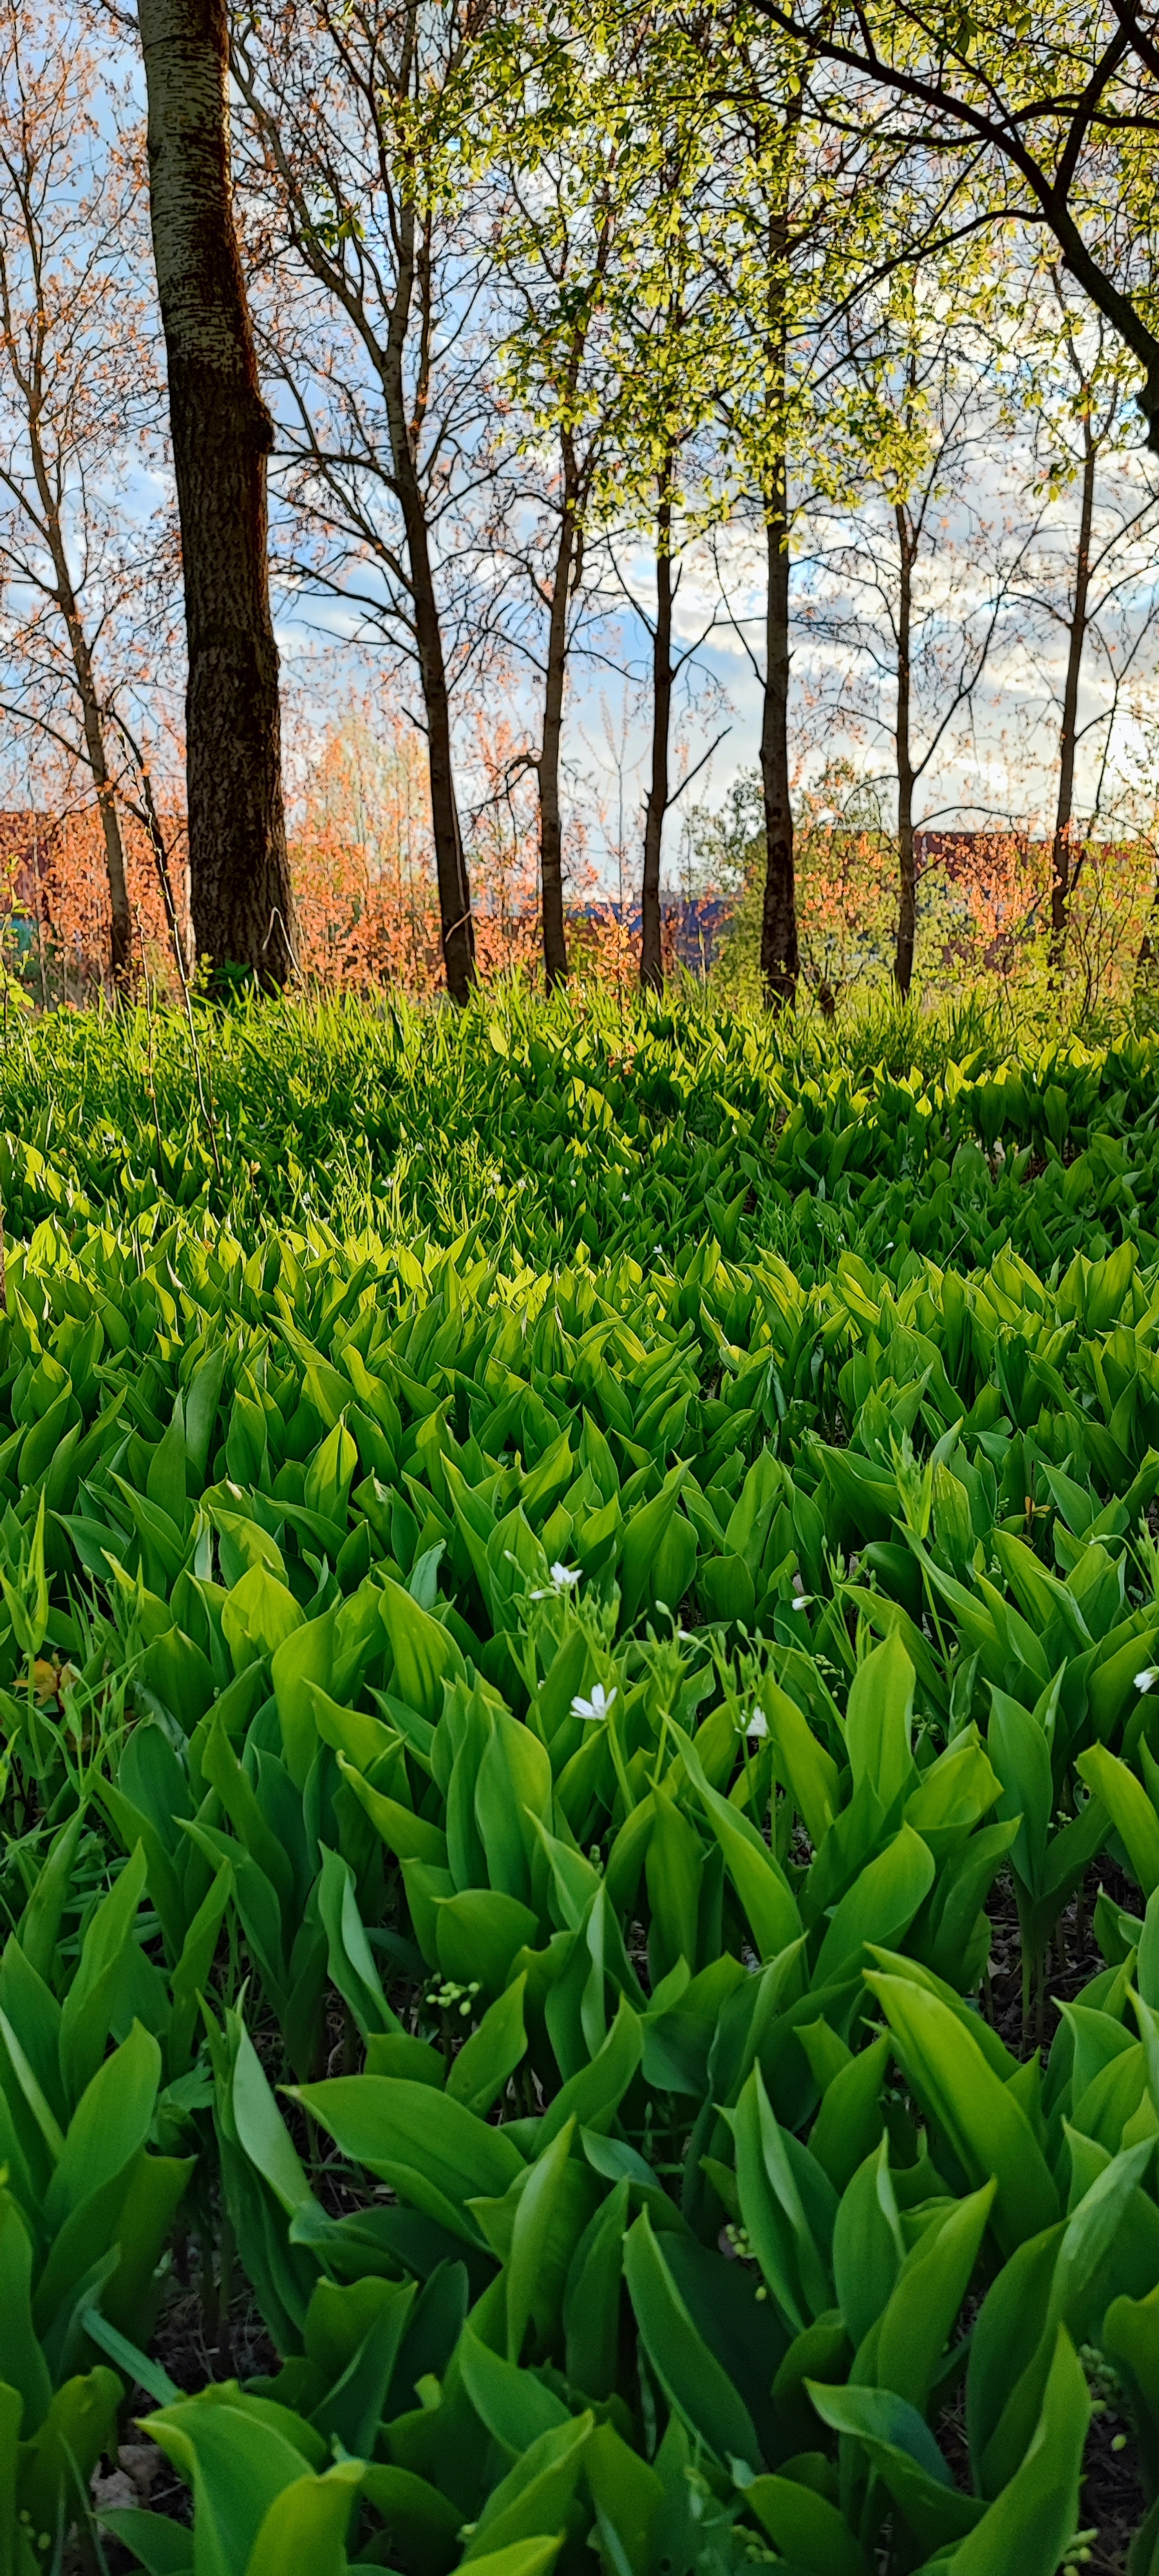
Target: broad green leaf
[
  {"x": 779, "y": 2226},
  {"x": 91, "y": 1997},
  {"x": 673, "y": 1870},
  {"x": 57, "y": 2464},
  {"x": 422, "y": 2522},
  {"x": 109, "y": 2126},
  {"x": 515, "y": 2405},
  {"x": 932, "y": 2284},
  {"x": 479, "y": 1933},
  {"x": 880, "y": 1905},
  {"x": 492, "y": 2053},
  {"x": 408, "y": 1836},
  {"x": 1030, "y": 2524},
  {"x": 591, "y": 2305},
  {"x": 809, "y": 1772},
  {"x": 849, "y": 2121},
  {"x": 986, "y": 2126},
  {"x": 805, "y": 2528},
  {"x": 258, "y": 1616},
  {"x": 593, "y": 2096},
  {"x": 877, "y": 1721},
  {"x": 551, "y": 2212},
  {"x": 25, "y": 2368},
  {"x": 307, "y": 2522},
  {"x": 535, "y": 2496},
  {"x": 162, "y": 2547},
  {"x": 238, "y": 2460},
  {"x": 261, "y": 2130},
  {"x": 692, "y": 2378},
  {"x": 425, "y": 1655},
  {"x": 433, "y": 2151},
  {"x": 760, "y": 1884},
  {"x": 629, "y": 2500},
  {"x": 350, "y": 1957},
  {"x": 1129, "y": 1809}
]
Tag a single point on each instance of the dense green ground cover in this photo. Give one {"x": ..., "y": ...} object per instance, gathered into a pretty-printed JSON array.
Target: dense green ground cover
[
  {"x": 561, "y": 1126},
  {"x": 517, "y": 1698}
]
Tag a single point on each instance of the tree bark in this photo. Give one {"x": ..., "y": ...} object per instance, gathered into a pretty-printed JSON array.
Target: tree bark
[
  {"x": 780, "y": 962},
  {"x": 903, "y": 964},
  {"x": 240, "y": 891},
  {"x": 651, "y": 947},
  {"x": 458, "y": 931},
  {"x": 49, "y": 494},
  {"x": 550, "y": 821},
  {"x": 121, "y": 928},
  {"x": 1060, "y": 852}
]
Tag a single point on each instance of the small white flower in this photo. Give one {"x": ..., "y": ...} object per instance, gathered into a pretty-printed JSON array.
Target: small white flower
[
  {"x": 758, "y": 1725},
  {"x": 1147, "y": 1679},
  {"x": 597, "y": 1706},
  {"x": 562, "y": 1579}
]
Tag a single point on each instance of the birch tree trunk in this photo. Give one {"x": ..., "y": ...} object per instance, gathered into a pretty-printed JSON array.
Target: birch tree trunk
[{"x": 222, "y": 434}]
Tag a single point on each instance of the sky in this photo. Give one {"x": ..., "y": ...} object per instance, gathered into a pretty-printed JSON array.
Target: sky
[
  {"x": 994, "y": 759},
  {"x": 995, "y": 762}
]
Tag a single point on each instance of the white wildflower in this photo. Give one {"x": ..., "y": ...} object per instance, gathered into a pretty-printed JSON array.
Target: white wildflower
[
  {"x": 1147, "y": 1679},
  {"x": 597, "y": 1706},
  {"x": 563, "y": 1578}
]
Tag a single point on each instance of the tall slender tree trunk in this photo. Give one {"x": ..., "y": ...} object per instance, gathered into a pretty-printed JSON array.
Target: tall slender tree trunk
[
  {"x": 121, "y": 927},
  {"x": 651, "y": 947},
  {"x": 780, "y": 963},
  {"x": 240, "y": 892},
  {"x": 458, "y": 930},
  {"x": 907, "y": 908},
  {"x": 1068, "y": 730},
  {"x": 780, "y": 958},
  {"x": 550, "y": 820},
  {"x": 567, "y": 567}
]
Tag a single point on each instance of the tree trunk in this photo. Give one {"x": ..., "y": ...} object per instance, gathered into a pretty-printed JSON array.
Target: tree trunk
[
  {"x": 458, "y": 932},
  {"x": 121, "y": 929},
  {"x": 550, "y": 823},
  {"x": 651, "y": 949},
  {"x": 1060, "y": 853},
  {"x": 240, "y": 892},
  {"x": 779, "y": 953},
  {"x": 1145, "y": 962},
  {"x": 903, "y": 964}
]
